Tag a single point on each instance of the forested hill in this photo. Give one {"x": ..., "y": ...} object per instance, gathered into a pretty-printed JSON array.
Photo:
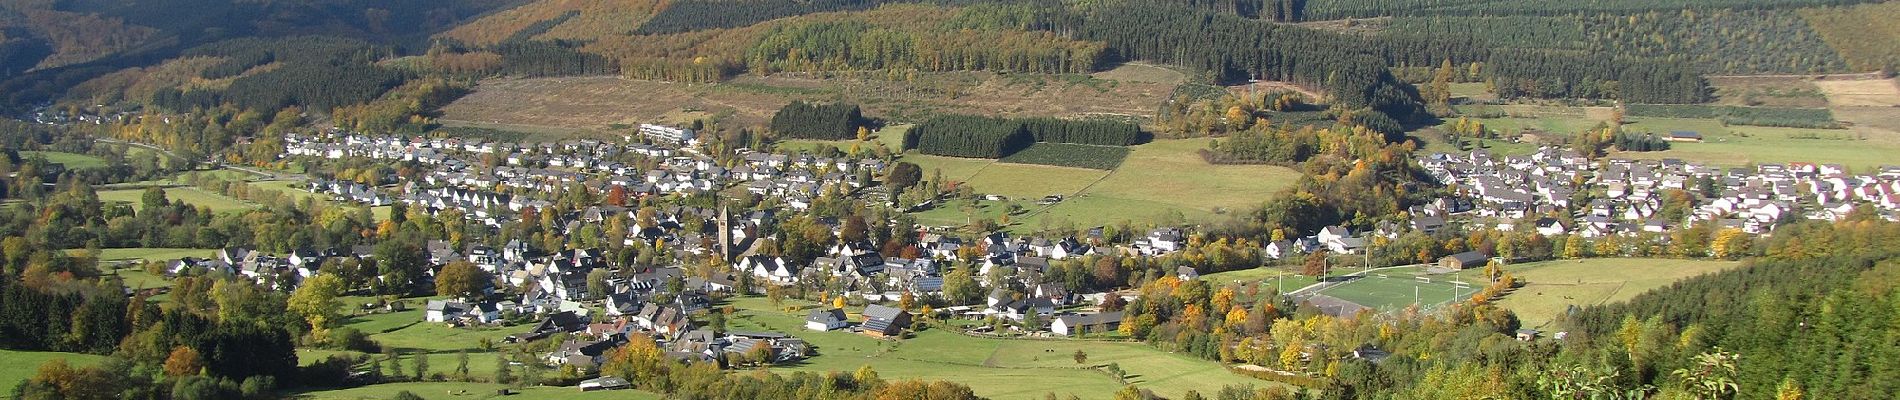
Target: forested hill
[{"x": 49, "y": 46}]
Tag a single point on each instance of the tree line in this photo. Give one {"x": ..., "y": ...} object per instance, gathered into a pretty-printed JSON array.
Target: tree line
[
  {"x": 823, "y": 121},
  {"x": 994, "y": 137}
]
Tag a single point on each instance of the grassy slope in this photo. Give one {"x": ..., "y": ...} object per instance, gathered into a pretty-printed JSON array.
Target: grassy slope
[
  {"x": 1554, "y": 285},
  {"x": 71, "y": 160},
  {"x": 1001, "y": 369},
  {"x": 1156, "y": 178},
  {"x": 16, "y": 366},
  {"x": 1738, "y": 145},
  {"x": 190, "y": 195}
]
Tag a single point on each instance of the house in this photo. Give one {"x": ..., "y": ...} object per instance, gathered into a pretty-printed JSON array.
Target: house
[
  {"x": 1069, "y": 325},
  {"x": 1469, "y": 259},
  {"x": 444, "y": 311},
  {"x": 1186, "y": 273},
  {"x": 580, "y": 353},
  {"x": 825, "y": 320},
  {"x": 882, "y": 321},
  {"x": 1527, "y": 334}
]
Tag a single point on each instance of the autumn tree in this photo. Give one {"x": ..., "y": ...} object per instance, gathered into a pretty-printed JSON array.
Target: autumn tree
[
  {"x": 462, "y": 279},
  {"x": 183, "y": 361},
  {"x": 316, "y": 301}
]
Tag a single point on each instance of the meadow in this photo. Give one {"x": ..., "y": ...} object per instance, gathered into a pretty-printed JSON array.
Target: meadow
[
  {"x": 994, "y": 368},
  {"x": 1742, "y": 145},
  {"x": 71, "y": 160},
  {"x": 16, "y": 366},
  {"x": 1552, "y": 286},
  {"x": 1161, "y": 181},
  {"x": 189, "y": 195}
]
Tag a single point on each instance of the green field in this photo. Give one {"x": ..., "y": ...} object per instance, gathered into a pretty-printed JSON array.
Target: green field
[
  {"x": 995, "y": 368},
  {"x": 149, "y": 253},
  {"x": 1157, "y": 179},
  {"x": 468, "y": 391},
  {"x": 1397, "y": 289},
  {"x": 16, "y": 366},
  {"x": 1070, "y": 155},
  {"x": 1740, "y": 145},
  {"x": 71, "y": 160},
  {"x": 189, "y": 195},
  {"x": 1552, "y": 286},
  {"x": 1273, "y": 277},
  {"x": 891, "y": 136},
  {"x": 294, "y": 189}
]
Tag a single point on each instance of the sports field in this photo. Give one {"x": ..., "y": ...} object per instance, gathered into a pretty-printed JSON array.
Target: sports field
[{"x": 1394, "y": 290}]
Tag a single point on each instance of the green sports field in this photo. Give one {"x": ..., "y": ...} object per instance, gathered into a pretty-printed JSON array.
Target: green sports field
[{"x": 1397, "y": 290}]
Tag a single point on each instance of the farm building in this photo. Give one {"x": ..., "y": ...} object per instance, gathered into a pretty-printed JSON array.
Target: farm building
[
  {"x": 1076, "y": 324},
  {"x": 881, "y": 321},
  {"x": 1684, "y": 136},
  {"x": 1469, "y": 259}
]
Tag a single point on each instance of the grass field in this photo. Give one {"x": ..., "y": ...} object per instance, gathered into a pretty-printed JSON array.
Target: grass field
[
  {"x": 1393, "y": 290},
  {"x": 1273, "y": 277},
  {"x": 891, "y": 136},
  {"x": 16, "y": 366},
  {"x": 1552, "y": 286},
  {"x": 995, "y": 368},
  {"x": 467, "y": 391},
  {"x": 1739, "y": 145},
  {"x": 149, "y": 253},
  {"x": 1156, "y": 180},
  {"x": 71, "y": 160},
  {"x": 189, "y": 195}
]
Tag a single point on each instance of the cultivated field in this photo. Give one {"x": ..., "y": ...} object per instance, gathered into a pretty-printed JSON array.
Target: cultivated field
[
  {"x": 578, "y": 106},
  {"x": 189, "y": 195},
  {"x": 71, "y": 160},
  {"x": 995, "y": 368},
  {"x": 1860, "y": 93},
  {"x": 16, "y": 366},
  {"x": 1769, "y": 91},
  {"x": 1552, "y": 286}
]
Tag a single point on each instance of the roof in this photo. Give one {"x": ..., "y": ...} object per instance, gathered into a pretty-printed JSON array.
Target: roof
[
  {"x": 874, "y": 312},
  {"x": 1090, "y": 319},
  {"x": 1468, "y": 258},
  {"x": 825, "y": 316}
]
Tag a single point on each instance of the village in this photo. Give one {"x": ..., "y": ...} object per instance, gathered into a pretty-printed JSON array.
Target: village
[{"x": 702, "y": 255}]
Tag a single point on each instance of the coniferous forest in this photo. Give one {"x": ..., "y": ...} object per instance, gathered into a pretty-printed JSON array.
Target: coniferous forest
[{"x": 823, "y": 121}]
